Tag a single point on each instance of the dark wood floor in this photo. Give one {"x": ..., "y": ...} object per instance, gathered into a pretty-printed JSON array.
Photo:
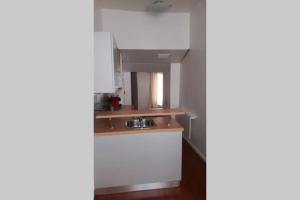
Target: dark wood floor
[{"x": 193, "y": 184}]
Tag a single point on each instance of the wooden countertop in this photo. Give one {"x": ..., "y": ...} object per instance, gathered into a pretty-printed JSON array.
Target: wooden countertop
[
  {"x": 138, "y": 113},
  {"x": 102, "y": 126}
]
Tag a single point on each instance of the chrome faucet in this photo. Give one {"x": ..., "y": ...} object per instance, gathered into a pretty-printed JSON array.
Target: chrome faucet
[{"x": 141, "y": 121}]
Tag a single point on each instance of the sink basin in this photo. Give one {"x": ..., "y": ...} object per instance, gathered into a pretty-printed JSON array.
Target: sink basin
[{"x": 140, "y": 123}]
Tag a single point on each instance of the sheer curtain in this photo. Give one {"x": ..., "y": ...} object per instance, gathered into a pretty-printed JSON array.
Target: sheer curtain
[
  {"x": 153, "y": 90},
  {"x": 156, "y": 90}
]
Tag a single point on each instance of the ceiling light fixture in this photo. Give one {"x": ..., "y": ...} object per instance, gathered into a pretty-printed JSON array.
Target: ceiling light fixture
[{"x": 158, "y": 6}]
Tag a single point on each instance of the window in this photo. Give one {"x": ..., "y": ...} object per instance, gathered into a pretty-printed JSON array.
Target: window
[{"x": 156, "y": 89}]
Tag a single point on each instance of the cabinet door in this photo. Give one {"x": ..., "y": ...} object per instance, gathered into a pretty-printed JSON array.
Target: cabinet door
[
  {"x": 104, "y": 63},
  {"x": 117, "y": 66}
]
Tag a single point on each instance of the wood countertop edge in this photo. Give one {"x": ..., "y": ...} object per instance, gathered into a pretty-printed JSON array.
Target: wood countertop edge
[
  {"x": 139, "y": 113},
  {"x": 144, "y": 131}
]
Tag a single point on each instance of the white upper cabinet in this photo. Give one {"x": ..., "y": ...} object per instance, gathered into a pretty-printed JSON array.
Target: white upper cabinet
[{"x": 107, "y": 71}]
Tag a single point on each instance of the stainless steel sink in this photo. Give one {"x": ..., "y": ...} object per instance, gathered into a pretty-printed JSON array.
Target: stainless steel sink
[{"x": 140, "y": 123}]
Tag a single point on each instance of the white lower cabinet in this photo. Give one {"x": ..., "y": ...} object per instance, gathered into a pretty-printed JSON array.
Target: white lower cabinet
[{"x": 126, "y": 160}]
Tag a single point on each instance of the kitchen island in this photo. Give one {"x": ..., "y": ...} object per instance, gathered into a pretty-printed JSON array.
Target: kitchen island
[{"x": 136, "y": 159}]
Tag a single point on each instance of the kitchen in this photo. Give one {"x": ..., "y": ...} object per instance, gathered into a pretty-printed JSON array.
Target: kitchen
[
  {"x": 145, "y": 73},
  {"x": 172, "y": 104}
]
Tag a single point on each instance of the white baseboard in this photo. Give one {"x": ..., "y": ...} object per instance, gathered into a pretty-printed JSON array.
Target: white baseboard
[
  {"x": 135, "y": 188},
  {"x": 195, "y": 149}
]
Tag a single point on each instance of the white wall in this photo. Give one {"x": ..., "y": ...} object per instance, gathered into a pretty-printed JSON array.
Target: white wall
[
  {"x": 146, "y": 67},
  {"x": 97, "y": 16},
  {"x": 193, "y": 76},
  {"x": 142, "y": 30},
  {"x": 127, "y": 88},
  {"x": 143, "y": 83},
  {"x": 174, "y": 85}
]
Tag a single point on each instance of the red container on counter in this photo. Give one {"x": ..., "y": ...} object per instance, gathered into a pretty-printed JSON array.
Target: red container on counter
[{"x": 115, "y": 103}]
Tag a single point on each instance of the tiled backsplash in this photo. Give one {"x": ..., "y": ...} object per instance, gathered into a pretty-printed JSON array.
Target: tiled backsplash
[{"x": 100, "y": 101}]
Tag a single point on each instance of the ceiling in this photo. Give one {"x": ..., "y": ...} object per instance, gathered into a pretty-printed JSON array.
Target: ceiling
[
  {"x": 151, "y": 56},
  {"x": 140, "y": 5},
  {"x": 136, "y": 67},
  {"x": 147, "y": 60}
]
